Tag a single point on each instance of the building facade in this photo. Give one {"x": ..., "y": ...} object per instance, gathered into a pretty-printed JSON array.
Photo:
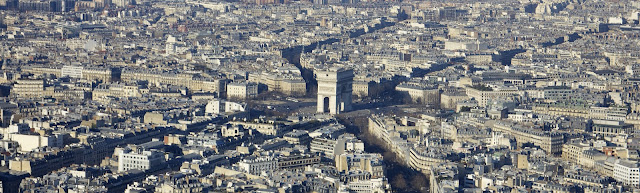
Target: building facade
[{"x": 138, "y": 158}]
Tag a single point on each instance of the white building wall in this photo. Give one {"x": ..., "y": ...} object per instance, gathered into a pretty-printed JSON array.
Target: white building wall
[
  {"x": 72, "y": 71},
  {"x": 143, "y": 160},
  {"x": 627, "y": 172}
]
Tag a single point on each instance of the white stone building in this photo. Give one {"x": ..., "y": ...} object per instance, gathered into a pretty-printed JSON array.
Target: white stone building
[
  {"x": 242, "y": 90},
  {"x": 130, "y": 158},
  {"x": 627, "y": 172},
  {"x": 258, "y": 164}
]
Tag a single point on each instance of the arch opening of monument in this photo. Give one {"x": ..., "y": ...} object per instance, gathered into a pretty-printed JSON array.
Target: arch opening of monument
[{"x": 326, "y": 104}]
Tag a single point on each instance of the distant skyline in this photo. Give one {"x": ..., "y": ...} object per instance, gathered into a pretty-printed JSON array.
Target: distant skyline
[{"x": 332, "y": 96}]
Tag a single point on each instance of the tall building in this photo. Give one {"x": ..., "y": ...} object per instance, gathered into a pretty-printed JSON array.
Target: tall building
[
  {"x": 334, "y": 90},
  {"x": 139, "y": 158},
  {"x": 242, "y": 90},
  {"x": 331, "y": 147},
  {"x": 255, "y": 165},
  {"x": 217, "y": 106},
  {"x": 369, "y": 162},
  {"x": 420, "y": 94},
  {"x": 122, "y": 3},
  {"x": 627, "y": 172},
  {"x": 72, "y": 71},
  {"x": 483, "y": 94},
  {"x": 28, "y": 88}
]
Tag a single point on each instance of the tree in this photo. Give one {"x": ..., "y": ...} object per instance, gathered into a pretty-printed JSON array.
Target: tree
[
  {"x": 420, "y": 182},
  {"x": 399, "y": 182},
  {"x": 406, "y": 99}
]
